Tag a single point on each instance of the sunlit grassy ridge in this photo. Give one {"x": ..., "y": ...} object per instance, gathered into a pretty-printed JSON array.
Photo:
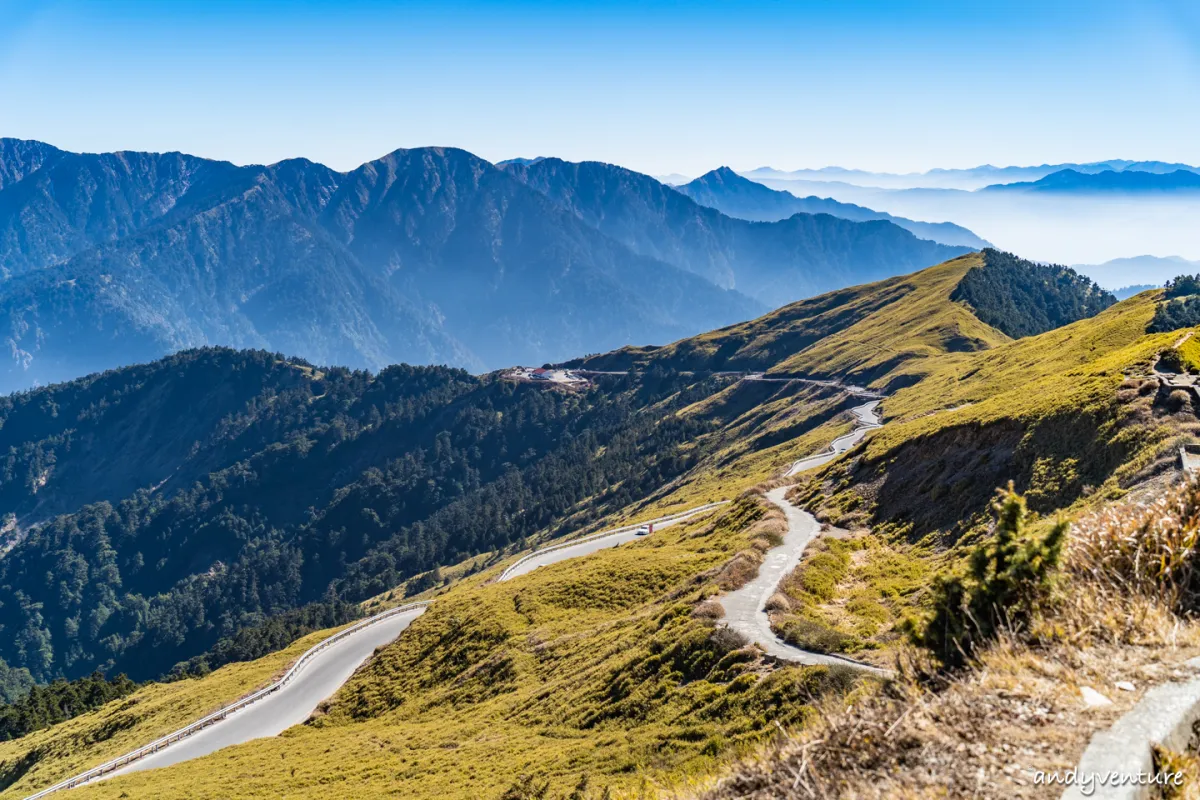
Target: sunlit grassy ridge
[
  {"x": 924, "y": 324},
  {"x": 1043, "y": 411},
  {"x": 858, "y": 334},
  {"x": 593, "y": 666},
  {"x": 1071, "y": 416}
]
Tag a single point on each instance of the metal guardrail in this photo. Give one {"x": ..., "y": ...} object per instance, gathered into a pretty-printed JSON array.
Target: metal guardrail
[
  {"x": 507, "y": 573},
  {"x": 222, "y": 713}
]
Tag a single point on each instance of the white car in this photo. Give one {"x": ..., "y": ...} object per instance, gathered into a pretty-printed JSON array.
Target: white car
[{"x": 642, "y": 531}]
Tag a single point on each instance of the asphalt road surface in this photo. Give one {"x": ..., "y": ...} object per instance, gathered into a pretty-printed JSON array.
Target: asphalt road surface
[
  {"x": 745, "y": 608},
  {"x": 289, "y": 706},
  {"x": 868, "y": 420},
  {"x": 587, "y": 548}
]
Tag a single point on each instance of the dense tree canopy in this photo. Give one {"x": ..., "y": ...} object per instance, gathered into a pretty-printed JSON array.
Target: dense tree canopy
[
  {"x": 1022, "y": 298},
  {"x": 1181, "y": 308},
  {"x": 289, "y": 486},
  {"x": 43, "y": 706}
]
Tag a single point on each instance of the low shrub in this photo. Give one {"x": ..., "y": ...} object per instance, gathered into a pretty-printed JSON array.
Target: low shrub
[
  {"x": 1009, "y": 581},
  {"x": 708, "y": 609},
  {"x": 778, "y": 602},
  {"x": 740, "y": 570}
]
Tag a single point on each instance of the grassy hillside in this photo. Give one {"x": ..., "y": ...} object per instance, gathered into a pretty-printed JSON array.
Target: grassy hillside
[
  {"x": 1055, "y": 412},
  {"x": 1073, "y": 417},
  {"x": 45, "y": 757},
  {"x": 860, "y": 334},
  {"x": 287, "y": 485},
  {"x": 609, "y": 665},
  {"x": 602, "y": 666}
]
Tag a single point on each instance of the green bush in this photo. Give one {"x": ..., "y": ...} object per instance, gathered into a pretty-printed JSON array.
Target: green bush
[
  {"x": 1010, "y": 579},
  {"x": 1182, "y": 286},
  {"x": 60, "y": 701}
]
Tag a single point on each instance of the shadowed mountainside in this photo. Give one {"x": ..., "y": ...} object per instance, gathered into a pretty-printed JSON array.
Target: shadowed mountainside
[
  {"x": 773, "y": 262},
  {"x": 426, "y": 256}
]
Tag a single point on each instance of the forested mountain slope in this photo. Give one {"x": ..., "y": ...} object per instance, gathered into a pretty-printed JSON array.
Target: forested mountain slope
[
  {"x": 200, "y": 493},
  {"x": 735, "y": 196},
  {"x": 1023, "y": 299}
]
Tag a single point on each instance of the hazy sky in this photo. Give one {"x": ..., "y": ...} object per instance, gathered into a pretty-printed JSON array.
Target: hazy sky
[{"x": 660, "y": 87}]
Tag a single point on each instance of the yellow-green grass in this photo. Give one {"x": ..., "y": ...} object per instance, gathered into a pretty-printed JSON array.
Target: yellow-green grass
[
  {"x": 123, "y": 725},
  {"x": 91, "y": 739},
  {"x": 850, "y": 595},
  {"x": 1047, "y": 409},
  {"x": 1070, "y": 374},
  {"x": 921, "y": 323},
  {"x": 1188, "y": 354},
  {"x": 860, "y": 333},
  {"x": 592, "y": 666},
  {"x": 759, "y": 443},
  {"x": 1028, "y": 374}
]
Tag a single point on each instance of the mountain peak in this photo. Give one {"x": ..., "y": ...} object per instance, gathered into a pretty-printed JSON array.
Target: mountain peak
[{"x": 722, "y": 175}]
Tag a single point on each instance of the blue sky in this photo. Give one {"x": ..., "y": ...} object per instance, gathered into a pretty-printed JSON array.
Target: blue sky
[{"x": 656, "y": 86}]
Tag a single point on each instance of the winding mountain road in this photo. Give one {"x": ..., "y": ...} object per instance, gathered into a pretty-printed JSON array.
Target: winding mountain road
[
  {"x": 289, "y": 706},
  {"x": 600, "y": 541},
  {"x": 868, "y": 419},
  {"x": 321, "y": 671},
  {"x": 745, "y": 608}
]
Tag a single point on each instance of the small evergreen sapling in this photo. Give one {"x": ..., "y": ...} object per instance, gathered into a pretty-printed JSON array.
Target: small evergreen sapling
[{"x": 1009, "y": 580}]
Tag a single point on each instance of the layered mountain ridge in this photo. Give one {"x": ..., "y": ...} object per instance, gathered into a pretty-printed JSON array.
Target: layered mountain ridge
[
  {"x": 736, "y": 196},
  {"x": 774, "y": 262},
  {"x": 429, "y": 255}
]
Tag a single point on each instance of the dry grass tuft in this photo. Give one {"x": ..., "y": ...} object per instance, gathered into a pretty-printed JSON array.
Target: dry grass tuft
[
  {"x": 779, "y": 602},
  {"x": 1147, "y": 548},
  {"x": 981, "y": 735},
  {"x": 770, "y": 529},
  {"x": 709, "y": 609},
  {"x": 740, "y": 570}
]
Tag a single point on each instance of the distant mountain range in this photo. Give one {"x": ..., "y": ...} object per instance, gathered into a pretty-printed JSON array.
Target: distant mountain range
[
  {"x": 1138, "y": 271},
  {"x": 430, "y": 255},
  {"x": 772, "y": 262},
  {"x": 731, "y": 194},
  {"x": 971, "y": 178},
  {"x": 1071, "y": 180}
]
